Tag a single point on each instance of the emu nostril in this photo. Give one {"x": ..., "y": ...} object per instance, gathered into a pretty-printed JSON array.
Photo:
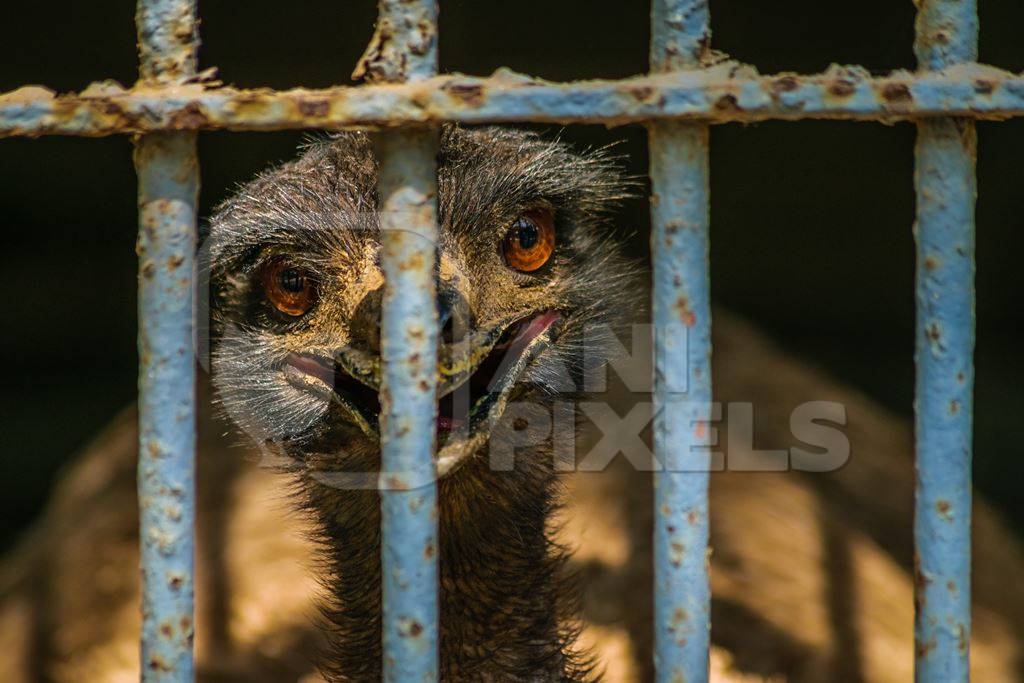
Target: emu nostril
[
  {"x": 448, "y": 334},
  {"x": 454, "y": 317},
  {"x": 364, "y": 326}
]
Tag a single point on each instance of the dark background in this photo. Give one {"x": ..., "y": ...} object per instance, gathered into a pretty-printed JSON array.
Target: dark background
[{"x": 811, "y": 221}]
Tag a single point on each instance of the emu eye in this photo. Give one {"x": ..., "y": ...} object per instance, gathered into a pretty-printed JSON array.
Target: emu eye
[
  {"x": 290, "y": 289},
  {"x": 530, "y": 240}
]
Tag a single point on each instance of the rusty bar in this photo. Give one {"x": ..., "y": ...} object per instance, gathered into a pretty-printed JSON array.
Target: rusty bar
[
  {"x": 681, "y": 309},
  {"x": 946, "y": 183},
  {"x": 727, "y": 92},
  {"x": 408, "y": 418},
  {"x": 168, "y": 174},
  {"x": 404, "y": 47}
]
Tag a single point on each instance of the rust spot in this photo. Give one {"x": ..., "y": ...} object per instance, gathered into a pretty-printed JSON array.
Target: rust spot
[
  {"x": 148, "y": 270},
  {"x": 785, "y": 84},
  {"x": 923, "y": 649},
  {"x": 984, "y": 87},
  {"x": 157, "y": 663},
  {"x": 429, "y": 551},
  {"x": 727, "y": 103},
  {"x": 677, "y": 554},
  {"x": 166, "y": 630},
  {"x": 842, "y": 87},
  {"x": 671, "y": 529},
  {"x": 189, "y": 118},
  {"x": 250, "y": 106},
  {"x": 691, "y": 517},
  {"x": 897, "y": 92},
  {"x": 641, "y": 93},
  {"x": 520, "y": 423},
  {"x": 470, "y": 93},
  {"x": 314, "y": 108},
  {"x": 421, "y": 98},
  {"x": 678, "y": 621},
  {"x": 685, "y": 314},
  {"x": 920, "y": 580},
  {"x": 174, "y": 261},
  {"x": 175, "y": 582},
  {"x": 931, "y": 263},
  {"x": 395, "y": 483},
  {"x": 414, "y": 262},
  {"x": 944, "y": 508},
  {"x": 960, "y": 377},
  {"x": 954, "y": 407},
  {"x": 415, "y": 629}
]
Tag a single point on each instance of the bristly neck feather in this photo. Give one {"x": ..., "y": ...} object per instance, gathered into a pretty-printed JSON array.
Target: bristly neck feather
[{"x": 508, "y": 607}]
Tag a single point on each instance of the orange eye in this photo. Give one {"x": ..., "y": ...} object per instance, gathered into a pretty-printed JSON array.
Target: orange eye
[
  {"x": 530, "y": 241},
  {"x": 288, "y": 288}
]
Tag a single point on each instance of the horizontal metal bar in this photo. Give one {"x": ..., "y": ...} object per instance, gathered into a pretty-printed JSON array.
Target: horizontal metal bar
[{"x": 723, "y": 93}]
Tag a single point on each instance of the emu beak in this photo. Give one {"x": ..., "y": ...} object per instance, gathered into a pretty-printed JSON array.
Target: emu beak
[{"x": 477, "y": 370}]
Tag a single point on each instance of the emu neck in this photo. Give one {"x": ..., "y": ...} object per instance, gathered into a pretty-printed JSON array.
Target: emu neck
[{"x": 504, "y": 603}]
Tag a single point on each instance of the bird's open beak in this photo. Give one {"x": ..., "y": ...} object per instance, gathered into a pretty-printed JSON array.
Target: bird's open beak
[{"x": 476, "y": 377}]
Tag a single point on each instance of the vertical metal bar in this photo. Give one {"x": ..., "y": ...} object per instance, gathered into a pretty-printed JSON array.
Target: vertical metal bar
[
  {"x": 404, "y": 47},
  {"x": 409, "y": 407},
  {"x": 168, "y": 188},
  {"x": 681, "y": 307},
  {"x": 947, "y": 34}
]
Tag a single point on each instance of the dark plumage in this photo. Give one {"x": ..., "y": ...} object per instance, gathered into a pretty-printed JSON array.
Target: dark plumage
[{"x": 507, "y": 609}]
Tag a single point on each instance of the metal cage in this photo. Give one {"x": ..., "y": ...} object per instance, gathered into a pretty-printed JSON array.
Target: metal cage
[{"x": 688, "y": 89}]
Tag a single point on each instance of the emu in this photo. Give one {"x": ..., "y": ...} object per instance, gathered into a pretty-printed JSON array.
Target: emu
[{"x": 811, "y": 573}]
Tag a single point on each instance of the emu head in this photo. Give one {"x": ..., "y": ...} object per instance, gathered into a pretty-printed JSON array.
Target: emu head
[{"x": 529, "y": 287}]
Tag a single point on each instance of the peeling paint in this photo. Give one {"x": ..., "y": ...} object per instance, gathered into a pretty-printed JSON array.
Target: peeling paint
[
  {"x": 404, "y": 49},
  {"x": 946, "y": 183},
  {"x": 682, "y": 316},
  {"x": 167, "y": 168},
  {"x": 722, "y": 93}
]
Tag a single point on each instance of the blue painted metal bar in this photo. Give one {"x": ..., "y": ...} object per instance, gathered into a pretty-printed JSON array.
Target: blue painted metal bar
[
  {"x": 682, "y": 358},
  {"x": 405, "y": 48},
  {"x": 724, "y": 93},
  {"x": 167, "y": 167},
  {"x": 947, "y": 34},
  {"x": 409, "y": 406}
]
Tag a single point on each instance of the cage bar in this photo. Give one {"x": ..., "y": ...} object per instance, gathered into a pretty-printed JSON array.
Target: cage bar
[
  {"x": 682, "y": 357},
  {"x": 724, "y": 93},
  {"x": 404, "y": 48},
  {"x": 686, "y": 91},
  {"x": 168, "y": 174},
  {"x": 946, "y": 184}
]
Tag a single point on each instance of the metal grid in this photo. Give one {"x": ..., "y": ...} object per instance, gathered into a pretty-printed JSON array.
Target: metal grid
[{"x": 688, "y": 89}]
